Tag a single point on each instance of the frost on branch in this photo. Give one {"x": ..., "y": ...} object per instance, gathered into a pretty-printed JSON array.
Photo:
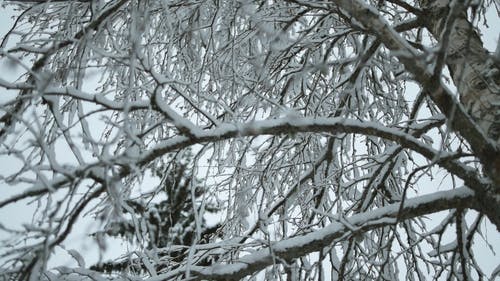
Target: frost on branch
[{"x": 298, "y": 140}]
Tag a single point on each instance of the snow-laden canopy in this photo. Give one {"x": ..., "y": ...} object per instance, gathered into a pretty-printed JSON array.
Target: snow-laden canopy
[{"x": 299, "y": 140}]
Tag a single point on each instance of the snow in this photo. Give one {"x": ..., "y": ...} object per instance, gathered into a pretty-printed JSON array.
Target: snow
[
  {"x": 294, "y": 121},
  {"x": 316, "y": 240},
  {"x": 96, "y": 98}
]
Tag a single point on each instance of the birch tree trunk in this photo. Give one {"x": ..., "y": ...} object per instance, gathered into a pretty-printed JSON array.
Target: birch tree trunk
[
  {"x": 469, "y": 66},
  {"x": 474, "y": 71}
]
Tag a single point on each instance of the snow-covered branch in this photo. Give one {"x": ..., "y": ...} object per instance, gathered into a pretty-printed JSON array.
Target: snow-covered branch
[
  {"x": 315, "y": 241},
  {"x": 416, "y": 63},
  {"x": 223, "y": 139}
]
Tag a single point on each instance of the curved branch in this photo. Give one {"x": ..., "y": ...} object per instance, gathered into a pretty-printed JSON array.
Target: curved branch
[
  {"x": 415, "y": 62},
  {"x": 312, "y": 242},
  {"x": 270, "y": 127}
]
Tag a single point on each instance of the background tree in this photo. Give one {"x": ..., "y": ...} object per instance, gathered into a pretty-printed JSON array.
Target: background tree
[
  {"x": 321, "y": 130},
  {"x": 166, "y": 228}
]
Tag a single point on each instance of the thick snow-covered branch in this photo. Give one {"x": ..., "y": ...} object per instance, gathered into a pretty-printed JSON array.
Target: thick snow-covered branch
[
  {"x": 484, "y": 147},
  {"x": 273, "y": 127},
  {"x": 414, "y": 62},
  {"x": 315, "y": 241},
  {"x": 286, "y": 117},
  {"x": 315, "y": 125}
]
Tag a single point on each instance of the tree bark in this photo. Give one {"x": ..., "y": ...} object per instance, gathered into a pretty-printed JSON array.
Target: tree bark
[
  {"x": 475, "y": 73},
  {"x": 429, "y": 77}
]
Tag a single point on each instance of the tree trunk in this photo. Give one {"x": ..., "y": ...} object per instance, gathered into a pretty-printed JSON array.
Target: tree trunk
[
  {"x": 476, "y": 75},
  {"x": 474, "y": 71}
]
